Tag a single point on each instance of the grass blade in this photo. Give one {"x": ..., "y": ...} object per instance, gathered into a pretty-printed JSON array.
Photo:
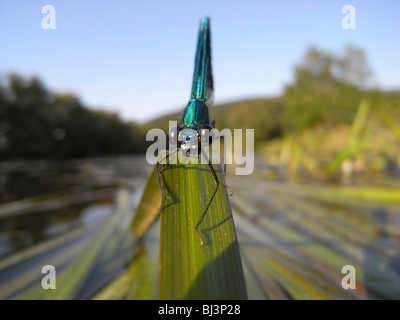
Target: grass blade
[
  {"x": 72, "y": 279},
  {"x": 187, "y": 269},
  {"x": 139, "y": 280},
  {"x": 147, "y": 211}
]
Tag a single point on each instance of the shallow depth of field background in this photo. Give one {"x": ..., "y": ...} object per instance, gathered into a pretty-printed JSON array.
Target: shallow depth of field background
[{"x": 324, "y": 101}]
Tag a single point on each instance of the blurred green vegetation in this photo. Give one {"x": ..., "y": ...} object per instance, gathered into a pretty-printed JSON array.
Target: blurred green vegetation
[{"x": 35, "y": 122}]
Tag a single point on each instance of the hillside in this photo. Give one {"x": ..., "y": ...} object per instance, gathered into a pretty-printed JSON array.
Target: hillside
[{"x": 262, "y": 115}]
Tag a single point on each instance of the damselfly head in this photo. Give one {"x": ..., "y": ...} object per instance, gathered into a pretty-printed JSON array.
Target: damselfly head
[{"x": 189, "y": 142}]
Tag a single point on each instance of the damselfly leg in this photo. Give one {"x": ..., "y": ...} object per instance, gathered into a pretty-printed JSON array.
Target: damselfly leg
[
  {"x": 224, "y": 164},
  {"x": 212, "y": 197},
  {"x": 166, "y": 157}
]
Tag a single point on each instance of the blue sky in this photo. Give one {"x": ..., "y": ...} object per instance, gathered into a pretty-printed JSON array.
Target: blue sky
[{"x": 136, "y": 57}]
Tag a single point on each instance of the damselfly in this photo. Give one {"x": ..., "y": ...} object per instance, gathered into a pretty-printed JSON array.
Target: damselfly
[{"x": 195, "y": 127}]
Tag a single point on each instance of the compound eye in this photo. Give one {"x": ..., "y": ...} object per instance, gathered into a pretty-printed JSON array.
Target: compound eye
[
  {"x": 173, "y": 136},
  {"x": 206, "y": 134}
]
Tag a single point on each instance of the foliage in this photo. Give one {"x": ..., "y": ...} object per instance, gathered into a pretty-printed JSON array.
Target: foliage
[
  {"x": 37, "y": 123},
  {"x": 327, "y": 88}
]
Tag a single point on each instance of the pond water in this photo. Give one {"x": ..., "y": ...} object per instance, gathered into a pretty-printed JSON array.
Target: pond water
[
  {"x": 53, "y": 212},
  {"x": 40, "y": 200}
]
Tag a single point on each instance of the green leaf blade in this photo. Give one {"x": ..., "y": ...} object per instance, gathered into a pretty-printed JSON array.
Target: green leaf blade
[
  {"x": 147, "y": 212},
  {"x": 187, "y": 269}
]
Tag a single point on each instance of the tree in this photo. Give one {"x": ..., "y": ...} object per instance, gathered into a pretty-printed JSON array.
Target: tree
[
  {"x": 327, "y": 88},
  {"x": 37, "y": 123}
]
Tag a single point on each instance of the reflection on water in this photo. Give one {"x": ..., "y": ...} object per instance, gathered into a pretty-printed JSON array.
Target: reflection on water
[
  {"x": 379, "y": 265},
  {"x": 61, "y": 213},
  {"x": 40, "y": 200}
]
